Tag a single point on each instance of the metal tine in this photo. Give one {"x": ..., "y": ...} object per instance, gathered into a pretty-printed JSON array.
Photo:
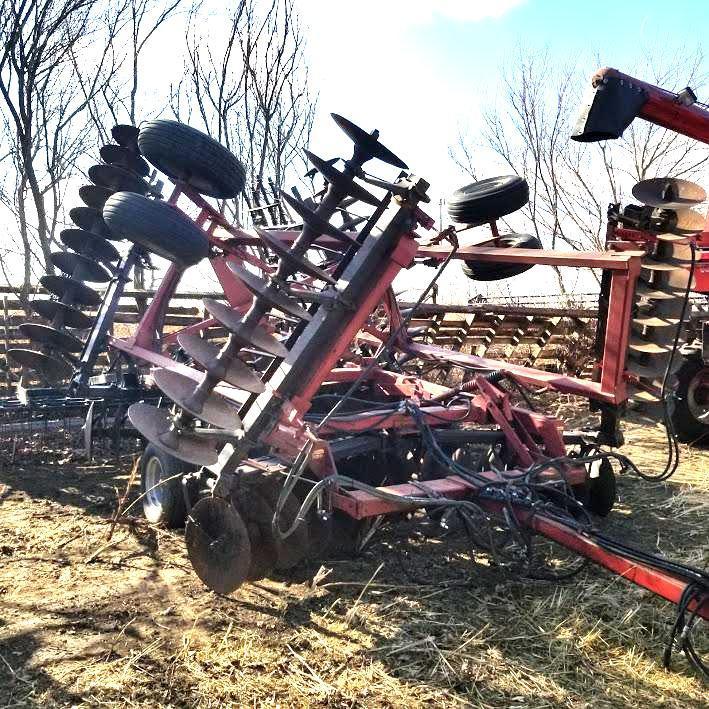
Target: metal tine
[
  {"x": 342, "y": 182},
  {"x": 231, "y": 370},
  {"x": 299, "y": 262},
  {"x": 212, "y": 408},
  {"x": 317, "y": 223}
]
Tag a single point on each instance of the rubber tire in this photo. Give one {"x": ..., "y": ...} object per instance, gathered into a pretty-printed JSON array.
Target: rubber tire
[
  {"x": 687, "y": 428},
  {"x": 188, "y": 155},
  {"x": 157, "y": 227},
  {"x": 491, "y": 271},
  {"x": 170, "y": 511},
  {"x": 488, "y": 200}
]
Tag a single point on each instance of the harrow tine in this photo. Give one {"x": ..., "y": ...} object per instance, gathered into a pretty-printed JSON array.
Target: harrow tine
[
  {"x": 298, "y": 262},
  {"x": 231, "y": 370},
  {"x": 267, "y": 293}
]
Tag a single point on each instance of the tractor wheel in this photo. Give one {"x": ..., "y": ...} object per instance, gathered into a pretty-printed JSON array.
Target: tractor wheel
[
  {"x": 188, "y": 155},
  {"x": 487, "y": 200},
  {"x": 690, "y": 404},
  {"x": 157, "y": 227},
  {"x": 164, "y": 504},
  {"x": 490, "y": 271}
]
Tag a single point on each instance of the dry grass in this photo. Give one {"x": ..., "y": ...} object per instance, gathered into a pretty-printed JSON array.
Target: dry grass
[{"x": 414, "y": 621}]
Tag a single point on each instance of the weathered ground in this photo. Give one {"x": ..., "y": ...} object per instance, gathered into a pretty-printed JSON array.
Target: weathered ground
[{"x": 413, "y": 621}]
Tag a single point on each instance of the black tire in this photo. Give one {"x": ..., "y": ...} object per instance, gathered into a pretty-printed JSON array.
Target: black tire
[
  {"x": 157, "y": 227},
  {"x": 490, "y": 271},
  {"x": 165, "y": 504},
  {"x": 487, "y": 200},
  {"x": 188, "y": 155},
  {"x": 687, "y": 427}
]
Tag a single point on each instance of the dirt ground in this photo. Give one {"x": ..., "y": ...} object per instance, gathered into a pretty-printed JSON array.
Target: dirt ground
[{"x": 413, "y": 621}]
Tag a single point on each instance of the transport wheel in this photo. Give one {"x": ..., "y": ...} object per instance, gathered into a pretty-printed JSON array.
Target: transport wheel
[
  {"x": 490, "y": 271},
  {"x": 188, "y": 155},
  {"x": 487, "y": 200},
  {"x": 691, "y": 403},
  {"x": 157, "y": 227},
  {"x": 164, "y": 504}
]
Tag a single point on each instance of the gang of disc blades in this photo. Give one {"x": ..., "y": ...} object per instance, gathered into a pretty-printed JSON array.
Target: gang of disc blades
[
  {"x": 218, "y": 544},
  {"x": 49, "y": 368},
  {"x": 80, "y": 267},
  {"x": 70, "y": 290},
  {"x": 217, "y": 409},
  {"x": 117, "y": 179},
  {"x": 342, "y": 182},
  {"x": 94, "y": 196},
  {"x": 316, "y": 222},
  {"x": 264, "y": 292},
  {"x": 71, "y": 317},
  {"x": 124, "y": 157},
  {"x": 366, "y": 144},
  {"x": 234, "y": 372},
  {"x": 250, "y": 336},
  {"x": 669, "y": 193},
  {"x": 88, "y": 244},
  {"x": 300, "y": 263},
  {"x": 156, "y": 425},
  {"x": 51, "y": 337}
]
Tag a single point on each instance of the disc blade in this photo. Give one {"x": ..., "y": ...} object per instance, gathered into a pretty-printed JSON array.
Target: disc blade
[
  {"x": 367, "y": 144},
  {"x": 218, "y": 544},
  {"x": 70, "y": 290},
  {"x": 156, "y": 425},
  {"x": 688, "y": 222},
  {"x": 643, "y": 395},
  {"x": 340, "y": 181},
  {"x": 316, "y": 222},
  {"x": 216, "y": 409},
  {"x": 117, "y": 179},
  {"x": 126, "y": 136},
  {"x": 647, "y": 290},
  {"x": 637, "y": 344},
  {"x": 124, "y": 157},
  {"x": 51, "y": 337},
  {"x": 655, "y": 321},
  {"x": 91, "y": 220},
  {"x": 94, "y": 196},
  {"x": 234, "y": 372},
  {"x": 51, "y": 369},
  {"x": 267, "y": 294},
  {"x": 668, "y": 193},
  {"x": 651, "y": 264},
  {"x": 89, "y": 245},
  {"x": 646, "y": 371},
  {"x": 70, "y": 316},
  {"x": 80, "y": 267},
  {"x": 300, "y": 263},
  {"x": 248, "y": 335}
]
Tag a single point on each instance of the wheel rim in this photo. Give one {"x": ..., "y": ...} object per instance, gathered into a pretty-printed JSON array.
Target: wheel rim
[
  {"x": 698, "y": 399},
  {"x": 153, "y": 475}
]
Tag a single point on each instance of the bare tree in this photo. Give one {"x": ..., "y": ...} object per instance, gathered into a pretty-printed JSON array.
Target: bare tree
[{"x": 571, "y": 184}]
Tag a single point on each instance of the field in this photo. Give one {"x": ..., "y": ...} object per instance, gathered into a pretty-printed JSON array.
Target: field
[{"x": 413, "y": 621}]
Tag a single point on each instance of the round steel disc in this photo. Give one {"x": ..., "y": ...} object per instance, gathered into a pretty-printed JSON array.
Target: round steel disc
[
  {"x": 49, "y": 368},
  {"x": 637, "y": 344},
  {"x": 126, "y": 136},
  {"x": 668, "y": 193},
  {"x": 91, "y": 220},
  {"x": 651, "y": 264},
  {"x": 218, "y": 544},
  {"x": 316, "y": 222},
  {"x": 647, "y": 290},
  {"x": 264, "y": 292},
  {"x": 341, "y": 181},
  {"x": 117, "y": 179},
  {"x": 654, "y": 321},
  {"x": 216, "y": 409},
  {"x": 71, "y": 317},
  {"x": 80, "y": 267},
  {"x": 124, "y": 157},
  {"x": 70, "y": 290},
  {"x": 235, "y": 372},
  {"x": 299, "y": 263},
  {"x": 258, "y": 516},
  {"x": 688, "y": 222},
  {"x": 646, "y": 371},
  {"x": 249, "y": 336},
  {"x": 89, "y": 245},
  {"x": 51, "y": 337},
  {"x": 643, "y": 395},
  {"x": 94, "y": 196},
  {"x": 367, "y": 143}
]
